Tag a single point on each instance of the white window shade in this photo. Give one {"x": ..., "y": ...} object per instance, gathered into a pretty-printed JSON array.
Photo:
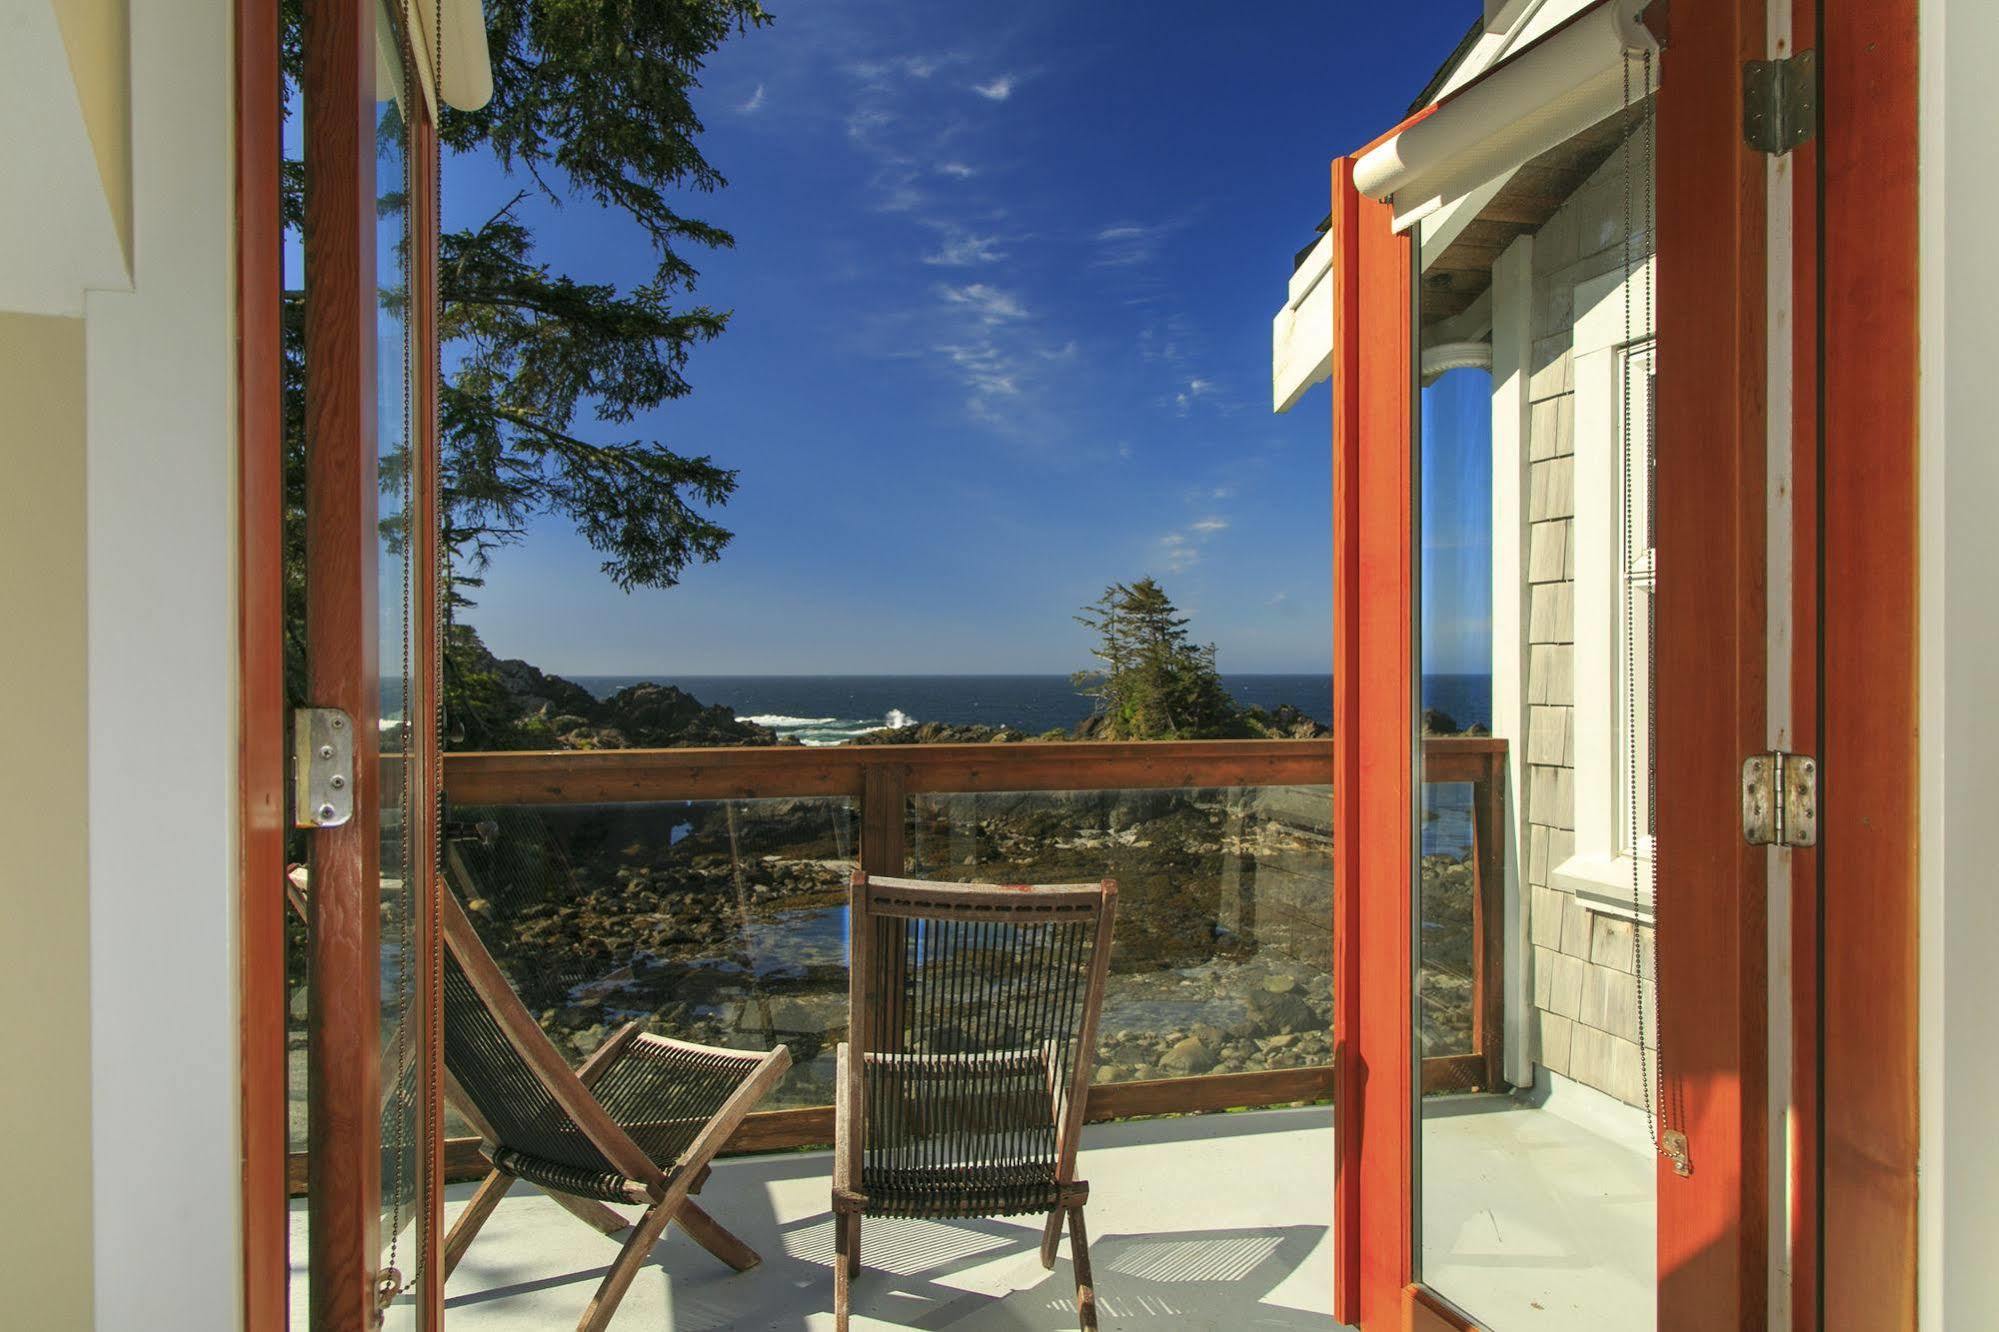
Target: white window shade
[{"x": 1549, "y": 92}]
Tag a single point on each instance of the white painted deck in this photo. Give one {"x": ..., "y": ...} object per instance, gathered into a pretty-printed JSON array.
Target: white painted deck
[{"x": 1221, "y": 1221}]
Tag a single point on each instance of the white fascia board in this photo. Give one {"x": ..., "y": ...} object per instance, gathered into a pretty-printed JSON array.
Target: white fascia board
[
  {"x": 58, "y": 233},
  {"x": 1301, "y": 333}
]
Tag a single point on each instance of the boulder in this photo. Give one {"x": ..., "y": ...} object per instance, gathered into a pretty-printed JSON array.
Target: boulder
[{"x": 1189, "y": 1056}]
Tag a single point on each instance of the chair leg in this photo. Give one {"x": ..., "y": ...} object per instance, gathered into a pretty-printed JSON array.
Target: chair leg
[
  {"x": 843, "y": 1270},
  {"x": 710, "y": 1234},
  {"x": 1086, "y": 1291},
  {"x": 854, "y": 1246},
  {"x": 1051, "y": 1238},
  {"x": 491, "y": 1189},
  {"x": 591, "y": 1213},
  {"x": 597, "y": 1316}
]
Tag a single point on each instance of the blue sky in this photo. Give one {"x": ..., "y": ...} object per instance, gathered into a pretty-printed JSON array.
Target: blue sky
[{"x": 1002, "y": 291}]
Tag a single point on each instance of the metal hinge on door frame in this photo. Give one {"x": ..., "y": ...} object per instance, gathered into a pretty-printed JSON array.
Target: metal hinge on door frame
[
  {"x": 322, "y": 767},
  {"x": 1780, "y": 799},
  {"x": 1780, "y": 102}
]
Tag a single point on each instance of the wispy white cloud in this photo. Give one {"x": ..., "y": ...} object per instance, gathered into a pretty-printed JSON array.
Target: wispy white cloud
[
  {"x": 1196, "y": 388},
  {"x": 1179, "y": 552},
  {"x": 988, "y": 303},
  {"x": 752, "y": 104},
  {"x": 1129, "y": 244},
  {"x": 964, "y": 249},
  {"x": 1182, "y": 549},
  {"x": 997, "y": 89},
  {"x": 957, "y": 170}
]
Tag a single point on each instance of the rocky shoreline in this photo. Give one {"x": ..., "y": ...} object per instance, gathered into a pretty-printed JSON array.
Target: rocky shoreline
[{"x": 725, "y": 922}]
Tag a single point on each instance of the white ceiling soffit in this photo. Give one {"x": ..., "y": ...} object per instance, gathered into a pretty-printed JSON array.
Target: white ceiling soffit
[{"x": 1529, "y": 103}]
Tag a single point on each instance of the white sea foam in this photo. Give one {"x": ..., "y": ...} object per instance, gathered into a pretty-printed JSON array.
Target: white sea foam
[{"x": 819, "y": 732}]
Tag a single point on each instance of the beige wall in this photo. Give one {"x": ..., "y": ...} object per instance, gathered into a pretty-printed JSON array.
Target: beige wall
[{"x": 45, "y": 1115}]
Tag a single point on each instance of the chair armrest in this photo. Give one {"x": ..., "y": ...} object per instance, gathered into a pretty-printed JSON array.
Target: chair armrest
[{"x": 607, "y": 1054}]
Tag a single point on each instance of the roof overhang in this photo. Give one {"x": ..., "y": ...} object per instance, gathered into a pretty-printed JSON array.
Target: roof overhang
[{"x": 1538, "y": 98}]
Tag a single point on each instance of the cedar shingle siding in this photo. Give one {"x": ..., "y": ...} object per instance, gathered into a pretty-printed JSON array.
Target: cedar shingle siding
[{"x": 1585, "y": 1023}]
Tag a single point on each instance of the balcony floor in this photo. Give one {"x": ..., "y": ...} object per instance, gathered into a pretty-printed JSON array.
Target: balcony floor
[{"x": 1210, "y": 1222}]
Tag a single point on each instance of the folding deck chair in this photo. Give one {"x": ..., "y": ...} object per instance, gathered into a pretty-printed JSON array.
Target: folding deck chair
[
  {"x": 639, "y": 1122},
  {"x": 973, "y": 1030}
]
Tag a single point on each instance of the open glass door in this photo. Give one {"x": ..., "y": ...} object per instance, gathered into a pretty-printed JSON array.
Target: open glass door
[
  {"x": 370, "y": 595},
  {"x": 1536, "y": 561},
  {"x": 1576, "y": 545}
]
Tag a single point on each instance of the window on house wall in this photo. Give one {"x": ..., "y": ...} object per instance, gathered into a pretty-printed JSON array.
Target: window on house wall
[
  {"x": 1615, "y": 566},
  {"x": 1637, "y": 562}
]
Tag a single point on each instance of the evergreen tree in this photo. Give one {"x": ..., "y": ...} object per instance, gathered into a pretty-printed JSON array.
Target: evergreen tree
[
  {"x": 591, "y": 100},
  {"x": 1154, "y": 682}
]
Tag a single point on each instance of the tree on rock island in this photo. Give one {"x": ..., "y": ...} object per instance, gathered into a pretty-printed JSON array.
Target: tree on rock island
[{"x": 1154, "y": 682}]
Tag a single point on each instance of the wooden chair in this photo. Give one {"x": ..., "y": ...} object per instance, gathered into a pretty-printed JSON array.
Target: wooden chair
[
  {"x": 973, "y": 1034},
  {"x": 639, "y": 1122}
]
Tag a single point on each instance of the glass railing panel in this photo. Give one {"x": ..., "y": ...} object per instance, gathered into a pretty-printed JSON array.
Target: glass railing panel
[
  {"x": 1223, "y": 949},
  {"x": 1446, "y": 993},
  {"x": 723, "y": 922}
]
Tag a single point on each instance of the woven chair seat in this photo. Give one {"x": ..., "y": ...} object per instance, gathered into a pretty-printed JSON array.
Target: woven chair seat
[{"x": 962, "y": 1191}]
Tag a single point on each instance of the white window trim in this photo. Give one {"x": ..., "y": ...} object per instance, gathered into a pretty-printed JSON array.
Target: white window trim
[{"x": 1597, "y": 872}]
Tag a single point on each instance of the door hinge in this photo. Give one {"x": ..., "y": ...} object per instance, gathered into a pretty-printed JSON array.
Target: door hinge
[
  {"x": 1780, "y": 799},
  {"x": 1780, "y": 102},
  {"x": 322, "y": 767}
]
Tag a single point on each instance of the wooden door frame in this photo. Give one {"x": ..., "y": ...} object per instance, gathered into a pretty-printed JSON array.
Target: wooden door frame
[
  {"x": 1374, "y": 739},
  {"x": 344, "y": 1091},
  {"x": 260, "y": 760},
  {"x": 1711, "y": 246},
  {"x": 1869, "y": 805}
]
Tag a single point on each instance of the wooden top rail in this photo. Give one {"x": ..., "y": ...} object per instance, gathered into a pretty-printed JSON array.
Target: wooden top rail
[{"x": 615, "y": 776}]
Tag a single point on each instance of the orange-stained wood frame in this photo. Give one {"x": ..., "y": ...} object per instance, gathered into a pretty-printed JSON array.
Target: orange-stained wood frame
[
  {"x": 260, "y": 665},
  {"x": 1374, "y": 743},
  {"x": 1869, "y": 799},
  {"x": 1710, "y": 690},
  {"x": 343, "y": 1080},
  {"x": 344, "y": 1091},
  {"x": 1711, "y": 708},
  {"x": 1802, "y": 1156},
  {"x": 343, "y": 1087}
]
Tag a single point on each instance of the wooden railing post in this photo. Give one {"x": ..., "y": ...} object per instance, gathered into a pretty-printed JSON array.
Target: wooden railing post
[
  {"x": 884, "y": 815},
  {"x": 1488, "y": 917}
]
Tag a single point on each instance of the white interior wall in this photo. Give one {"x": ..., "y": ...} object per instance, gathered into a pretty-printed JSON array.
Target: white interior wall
[
  {"x": 160, "y": 552},
  {"x": 1959, "y": 1206}
]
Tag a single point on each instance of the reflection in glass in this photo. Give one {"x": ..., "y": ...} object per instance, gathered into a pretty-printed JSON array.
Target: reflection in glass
[
  {"x": 1535, "y": 1197},
  {"x": 1223, "y": 955}
]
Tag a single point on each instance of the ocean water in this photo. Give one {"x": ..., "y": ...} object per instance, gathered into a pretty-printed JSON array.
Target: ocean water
[{"x": 831, "y": 709}]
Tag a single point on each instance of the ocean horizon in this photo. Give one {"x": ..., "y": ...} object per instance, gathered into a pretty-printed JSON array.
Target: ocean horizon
[{"x": 833, "y": 709}]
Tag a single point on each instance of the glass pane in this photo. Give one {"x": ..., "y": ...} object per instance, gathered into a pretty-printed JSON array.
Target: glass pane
[
  {"x": 403, "y": 1191},
  {"x": 1534, "y": 1165},
  {"x": 722, "y": 922},
  {"x": 1222, "y": 959}
]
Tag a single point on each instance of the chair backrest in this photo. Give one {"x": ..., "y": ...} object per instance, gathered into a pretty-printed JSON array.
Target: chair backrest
[
  {"x": 508, "y": 1077},
  {"x": 973, "y": 1013}
]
